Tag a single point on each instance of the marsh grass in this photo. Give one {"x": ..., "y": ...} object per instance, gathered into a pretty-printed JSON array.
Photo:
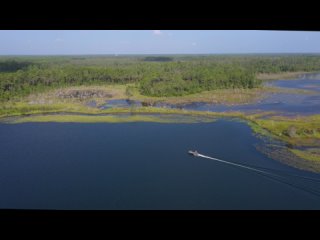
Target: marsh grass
[
  {"x": 308, "y": 154},
  {"x": 118, "y": 118}
]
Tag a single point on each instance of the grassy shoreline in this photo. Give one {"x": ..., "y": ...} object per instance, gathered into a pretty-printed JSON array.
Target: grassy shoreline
[
  {"x": 63, "y": 99},
  {"x": 300, "y": 131},
  {"x": 49, "y": 102},
  {"x": 114, "y": 118},
  {"x": 225, "y": 96},
  {"x": 142, "y": 110},
  {"x": 297, "y": 132}
]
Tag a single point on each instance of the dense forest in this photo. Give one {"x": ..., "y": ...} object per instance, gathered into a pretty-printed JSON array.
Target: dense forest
[{"x": 153, "y": 75}]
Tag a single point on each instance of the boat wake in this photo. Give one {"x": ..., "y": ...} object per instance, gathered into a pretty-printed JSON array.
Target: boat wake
[{"x": 284, "y": 177}]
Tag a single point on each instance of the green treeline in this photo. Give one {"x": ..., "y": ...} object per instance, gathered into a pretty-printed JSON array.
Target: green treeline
[
  {"x": 12, "y": 65},
  {"x": 158, "y": 59},
  {"x": 181, "y": 75},
  {"x": 177, "y": 79}
]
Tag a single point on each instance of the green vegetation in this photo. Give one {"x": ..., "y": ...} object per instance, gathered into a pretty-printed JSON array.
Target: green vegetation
[
  {"x": 158, "y": 59},
  {"x": 12, "y": 65},
  {"x": 33, "y": 86},
  {"x": 309, "y": 154},
  {"x": 23, "y": 109},
  {"x": 298, "y": 131},
  {"x": 75, "y": 99},
  {"x": 182, "y": 79},
  {"x": 279, "y": 75},
  {"x": 113, "y": 119},
  {"x": 153, "y": 76},
  {"x": 295, "y": 132}
]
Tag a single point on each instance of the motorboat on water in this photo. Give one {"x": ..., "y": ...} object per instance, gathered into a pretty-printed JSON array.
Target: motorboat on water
[{"x": 194, "y": 153}]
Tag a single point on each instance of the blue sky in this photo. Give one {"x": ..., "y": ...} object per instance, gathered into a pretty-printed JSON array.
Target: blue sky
[{"x": 156, "y": 42}]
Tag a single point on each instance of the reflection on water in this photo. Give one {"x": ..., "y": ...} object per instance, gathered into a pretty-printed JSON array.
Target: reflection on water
[
  {"x": 121, "y": 103},
  {"x": 282, "y": 102},
  {"x": 305, "y": 84}
]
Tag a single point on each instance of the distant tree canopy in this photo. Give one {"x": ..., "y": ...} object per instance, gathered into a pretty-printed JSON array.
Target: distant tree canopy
[
  {"x": 186, "y": 78},
  {"x": 12, "y": 65},
  {"x": 158, "y": 59},
  {"x": 185, "y": 75}
]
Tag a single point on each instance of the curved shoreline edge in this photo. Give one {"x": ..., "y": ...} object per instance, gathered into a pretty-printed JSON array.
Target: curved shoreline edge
[{"x": 300, "y": 134}]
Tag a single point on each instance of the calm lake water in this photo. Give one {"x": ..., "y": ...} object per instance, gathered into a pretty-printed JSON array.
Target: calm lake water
[
  {"x": 284, "y": 103},
  {"x": 139, "y": 166}
]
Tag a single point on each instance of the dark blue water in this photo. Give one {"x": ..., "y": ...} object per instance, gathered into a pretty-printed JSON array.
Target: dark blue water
[{"x": 138, "y": 166}]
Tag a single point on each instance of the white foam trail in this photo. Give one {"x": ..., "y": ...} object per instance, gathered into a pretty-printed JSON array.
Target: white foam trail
[
  {"x": 234, "y": 164},
  {"x": 282, "y": 179}
]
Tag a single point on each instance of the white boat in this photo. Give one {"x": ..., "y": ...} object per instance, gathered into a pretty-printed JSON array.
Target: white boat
[{"x": 194, "y": 153}]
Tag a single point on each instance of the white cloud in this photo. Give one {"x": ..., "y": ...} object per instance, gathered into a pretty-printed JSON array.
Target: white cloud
[{"x": 157, "y": 32}]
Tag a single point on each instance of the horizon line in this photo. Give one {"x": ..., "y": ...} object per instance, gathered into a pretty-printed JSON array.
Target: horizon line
[{"x": 143, "y": 54}]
